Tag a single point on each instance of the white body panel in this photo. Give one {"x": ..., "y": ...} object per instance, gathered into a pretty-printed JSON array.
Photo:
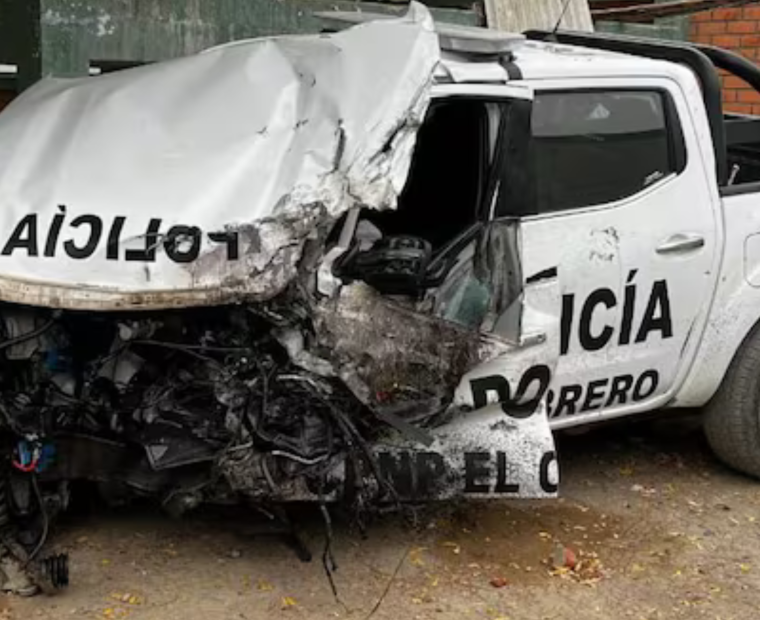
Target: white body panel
[
  {"x": 736, "y": 307},
  {"x": 612, "y": 248},
  {"x": 198, "y": 180},
  {"x": 718, "y": 298}
]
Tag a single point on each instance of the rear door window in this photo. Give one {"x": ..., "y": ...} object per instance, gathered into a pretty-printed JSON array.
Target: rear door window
[{"x": 596, "y": 147}]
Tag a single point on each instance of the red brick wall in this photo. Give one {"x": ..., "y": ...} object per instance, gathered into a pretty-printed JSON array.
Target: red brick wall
[
  {"x": 738, "y": 30},
  {"x": 5, "y": 98}
]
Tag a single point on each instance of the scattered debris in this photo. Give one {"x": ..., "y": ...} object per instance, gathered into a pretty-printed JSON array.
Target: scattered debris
[
  {"x": 499, "y": 582},
  {"x": 563, "y": 557},
  {"x": 288, "y": 601}
]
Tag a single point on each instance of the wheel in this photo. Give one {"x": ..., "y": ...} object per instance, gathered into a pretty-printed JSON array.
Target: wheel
[{"x": 732, "y": 417}]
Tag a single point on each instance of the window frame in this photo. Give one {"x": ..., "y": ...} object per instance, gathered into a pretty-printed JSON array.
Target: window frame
[{"x": 677, "y": 150}]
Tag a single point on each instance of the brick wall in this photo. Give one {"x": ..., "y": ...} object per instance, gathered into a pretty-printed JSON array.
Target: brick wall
[{"x": 738, "y": 30}]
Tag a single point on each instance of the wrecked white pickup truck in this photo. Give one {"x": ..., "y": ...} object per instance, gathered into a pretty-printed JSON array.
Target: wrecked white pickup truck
[{"x": 373, "y": 266}]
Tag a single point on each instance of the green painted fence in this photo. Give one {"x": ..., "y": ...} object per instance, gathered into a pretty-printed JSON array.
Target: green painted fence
[{"x": 63, "y": 37}]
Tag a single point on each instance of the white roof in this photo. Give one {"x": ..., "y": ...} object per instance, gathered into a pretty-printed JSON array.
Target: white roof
[{"x": 539, "y": 60}]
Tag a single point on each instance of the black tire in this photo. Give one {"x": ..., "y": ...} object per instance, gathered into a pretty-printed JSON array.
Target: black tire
[{"x": 732, "y": 417}]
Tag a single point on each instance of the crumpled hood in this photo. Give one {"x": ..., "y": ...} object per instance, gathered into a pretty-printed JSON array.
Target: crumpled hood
[{"x": 197, "y": 181}]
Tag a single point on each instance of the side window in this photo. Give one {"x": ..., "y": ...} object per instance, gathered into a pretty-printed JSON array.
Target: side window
[
  {"x": 447, "y": 176},
  {"x": 595, "y": 147}
]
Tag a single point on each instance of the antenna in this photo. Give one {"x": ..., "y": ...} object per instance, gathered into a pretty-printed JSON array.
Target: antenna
[{"x": 561, "y": 16}]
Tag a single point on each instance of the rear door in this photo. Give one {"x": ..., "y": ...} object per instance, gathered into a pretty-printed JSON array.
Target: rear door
[{"x": 621, "y": 214}]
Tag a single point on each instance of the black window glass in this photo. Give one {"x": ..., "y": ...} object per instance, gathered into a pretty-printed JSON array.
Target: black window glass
[{"x": 592, "y": 148}]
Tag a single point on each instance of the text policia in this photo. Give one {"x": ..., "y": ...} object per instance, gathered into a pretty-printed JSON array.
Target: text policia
[
  {"x": 576, "y": 320},
  {"x": 84, "y": 235}
]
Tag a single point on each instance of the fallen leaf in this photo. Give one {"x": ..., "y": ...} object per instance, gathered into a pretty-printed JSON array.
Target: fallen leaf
[
  {"x": 455, "y": 548},
  {"x": 499, "y": 582},
  {"x": 414, "y": 556},
  {"x": 288, "y": 601},
  {"x": 264, "y": 586}
]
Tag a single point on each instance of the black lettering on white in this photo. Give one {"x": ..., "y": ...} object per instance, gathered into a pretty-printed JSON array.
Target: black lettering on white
[
  {"x": 112, "y": 248},
  {"x": 601, "y": 297},
  {"x": 650, "y": 378},
  {"x": 179, "y": 236},
  {"x": 475, "y": 470},
  {"x": 231, "y": 239},
  {"x": 629, "y": 304},
  {"x": 148, "y": 254},
  {"x": 543, "y": 472},
  {"x": 515, "y": 407},
  {"x": 483, "y": 385},
  {"x": 502, "y": 484},
  {"x": 595, "y": 392},
  {"x": 55, "y": 230},
  {"x": 550, "y": 402},
  {"x": 566, "y": 322},
  {"x": 520, "y": 410},
  {"x": 569, "y": 395},
  {"x": 619, "y": 391},
  {"x": 23, "y": 237},
  {"x": 657, "y": 315},
  {"x": 182, "y": 243},
  {"x": 96, "y": 230}
]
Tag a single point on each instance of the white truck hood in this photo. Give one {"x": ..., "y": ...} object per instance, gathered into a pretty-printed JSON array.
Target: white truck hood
[{"x": 197, "y": 181}]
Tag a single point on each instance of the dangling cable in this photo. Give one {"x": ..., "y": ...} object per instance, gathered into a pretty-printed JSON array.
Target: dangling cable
[{"x": 45, "y": 520}]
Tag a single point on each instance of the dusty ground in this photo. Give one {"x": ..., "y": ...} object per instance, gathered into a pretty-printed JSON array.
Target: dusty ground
[{"x": 661, "y": 529}]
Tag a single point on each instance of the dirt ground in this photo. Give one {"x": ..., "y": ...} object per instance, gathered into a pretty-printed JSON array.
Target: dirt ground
[{"x": 658, "y": 527}]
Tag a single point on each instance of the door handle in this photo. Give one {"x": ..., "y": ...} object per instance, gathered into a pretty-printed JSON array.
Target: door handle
[{"x": 680, "y": 242}]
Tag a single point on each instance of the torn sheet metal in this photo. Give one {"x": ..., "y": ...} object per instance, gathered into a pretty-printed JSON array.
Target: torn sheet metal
[
  {"x": 196, "y": 181},
  {"x": 467, "y": 410},
  {"x": 475, "y": 455}
]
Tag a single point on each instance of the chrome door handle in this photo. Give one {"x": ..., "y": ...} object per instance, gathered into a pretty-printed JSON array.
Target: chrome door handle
[{"x": 680, "y": 242}]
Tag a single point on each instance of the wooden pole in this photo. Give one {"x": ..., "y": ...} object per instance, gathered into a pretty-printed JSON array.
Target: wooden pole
[{"x": 521, "y": 15}]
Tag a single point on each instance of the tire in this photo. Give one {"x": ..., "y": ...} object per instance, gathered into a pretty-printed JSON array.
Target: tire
[{"x": 732, "y": 417}]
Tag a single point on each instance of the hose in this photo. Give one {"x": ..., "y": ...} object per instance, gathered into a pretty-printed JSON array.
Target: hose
[{"x": 29, "y": 335}]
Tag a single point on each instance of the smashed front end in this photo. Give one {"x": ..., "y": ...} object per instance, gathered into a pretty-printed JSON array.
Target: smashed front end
[{"x": 189, "y": 313}]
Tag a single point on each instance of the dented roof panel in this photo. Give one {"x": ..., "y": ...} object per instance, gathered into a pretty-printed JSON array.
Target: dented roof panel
[{"x": 196, "y": 181}]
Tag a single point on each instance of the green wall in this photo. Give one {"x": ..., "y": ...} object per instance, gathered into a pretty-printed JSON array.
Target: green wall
[{"x": 62, "y": 37}]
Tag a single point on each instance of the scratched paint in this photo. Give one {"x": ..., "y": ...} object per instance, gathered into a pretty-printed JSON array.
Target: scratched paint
[{"x": 310, "y": 128}]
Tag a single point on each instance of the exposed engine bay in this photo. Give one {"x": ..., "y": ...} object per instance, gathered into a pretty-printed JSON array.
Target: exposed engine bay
[
  {"x": 207, "y": 405},
  {"x": 299, "y": 300}
]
